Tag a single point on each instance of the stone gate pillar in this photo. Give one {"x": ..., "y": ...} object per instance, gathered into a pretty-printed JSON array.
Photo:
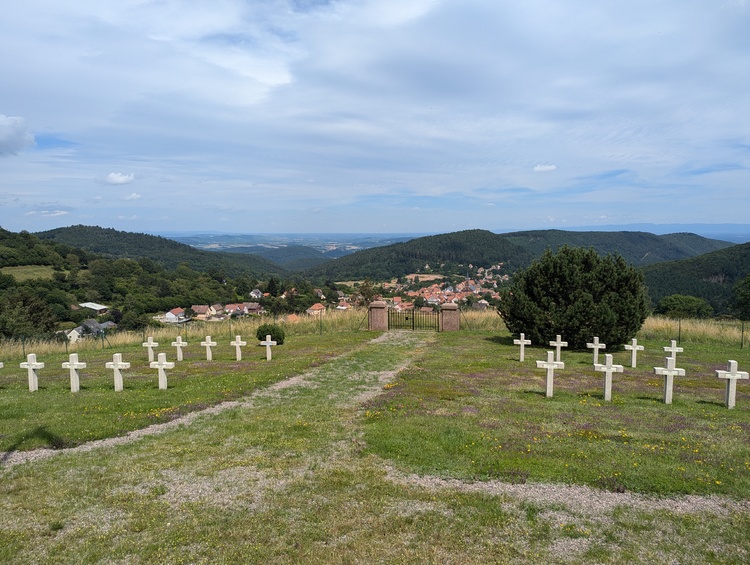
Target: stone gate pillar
[
  {"x": 450, "y": 317},
  {"x": 378, "y": 316}
]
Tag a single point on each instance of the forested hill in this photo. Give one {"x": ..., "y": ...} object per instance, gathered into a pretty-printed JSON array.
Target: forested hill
[
  {"x": 484, "y": 248},
  {"x": 20, "y": 249},
  {"x": 711, "y": 276},
  {"x": 167, "y": 253},
  {"x": 439, "y": 253},
  {"x": 637, "y": 248}
]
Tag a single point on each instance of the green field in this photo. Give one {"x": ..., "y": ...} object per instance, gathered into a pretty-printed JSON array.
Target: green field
[
  {"x": 28, "y": 272},
  {"x": 396, "y": 448}
]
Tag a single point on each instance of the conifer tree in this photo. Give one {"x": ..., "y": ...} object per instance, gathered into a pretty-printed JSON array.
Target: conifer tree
[{"x": 577, "y": 294}]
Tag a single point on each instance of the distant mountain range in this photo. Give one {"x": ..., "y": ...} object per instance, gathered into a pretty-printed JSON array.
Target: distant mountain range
[{"x": 683, "y": 263}]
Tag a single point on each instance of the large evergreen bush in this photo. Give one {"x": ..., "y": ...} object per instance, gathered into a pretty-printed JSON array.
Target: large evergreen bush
[
  {"x": 276, "y": 333},
  {"x": 577, "y": 294}
]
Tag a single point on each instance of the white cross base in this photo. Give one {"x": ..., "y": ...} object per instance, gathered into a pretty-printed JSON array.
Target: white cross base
[
  {"x": 669, "y": 372},
  {"x": 31, "y": 364},
  {"x": 522, "y": 341},
  {"x": 268, "y": 343},
  {"x": 161, "y": 365},
  {"x": 238, "y": 345},
  {"x": 634, "y": 348},
  {"x": 596, "y": 346},
  {"x": 117, "y": 364},
  {"x": 179, "y": 344},
  {"x": 608, "y": 368},
  {"x": 73, "y": 364},
  {"x": 550, "y": 364},
  {"x": 732, "y": 375},
  {"x": 150, "y": 343},
  {"x": 208, "y": 344}
]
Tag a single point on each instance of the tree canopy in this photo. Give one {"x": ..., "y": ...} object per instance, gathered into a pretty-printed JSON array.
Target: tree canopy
[{"x": 577, "y": 294}]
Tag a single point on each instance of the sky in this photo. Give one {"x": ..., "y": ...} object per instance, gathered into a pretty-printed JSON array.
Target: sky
[{"x": 375, "y": 116}]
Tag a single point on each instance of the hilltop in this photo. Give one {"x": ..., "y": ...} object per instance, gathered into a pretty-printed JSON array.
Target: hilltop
[{"x": 169, "y": 254}]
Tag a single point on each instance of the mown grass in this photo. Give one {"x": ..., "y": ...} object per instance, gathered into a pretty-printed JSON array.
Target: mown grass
[
  {"x": 471, "y": 410},
  {"x": 55, "y": 417},
  {"x": 28, "y": 272},
  {"x": 292, "y": 479}
]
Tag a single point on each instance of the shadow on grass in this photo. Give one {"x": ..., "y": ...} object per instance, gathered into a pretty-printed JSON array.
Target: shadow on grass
[
  {"x": 537, "y": 392},
  {"x": 51, "y": 440},
  {"x": 711, "y": 403},
  {"x": 500, "y": 340}
]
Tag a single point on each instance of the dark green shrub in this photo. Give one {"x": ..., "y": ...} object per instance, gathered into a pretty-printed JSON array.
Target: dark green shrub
[{"x": 276, "y": 333}]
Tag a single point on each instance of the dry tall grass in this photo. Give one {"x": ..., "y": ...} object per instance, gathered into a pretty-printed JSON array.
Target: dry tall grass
[{"x": 655, "y": 327}]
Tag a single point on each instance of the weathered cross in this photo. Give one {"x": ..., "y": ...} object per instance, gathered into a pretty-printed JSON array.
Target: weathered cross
[
  {"x": 117, "y": 364},
  {"x": 522, "y": 341},
  {"x": 73, "y": 364},
  {"x": 596, "y": 346},
  {"x": 634, "y": 348},
  {"x": 179, "y": 344},
  {"x": 550, "y": 364},
  {"x": 673, "y": 350},
  {"x": 150, "y": 343},
  {"x": 32, "y": 365},
  {"x": 238, "y": 345},
  {"x": 731, "y": 375},
  {"x": 208, "y": 344},
  {"x": 557, "y": 344},
  {"x": 608, "y": 368},
  {"x": 669, "y": 372},
  {"x": 161, "y": 365},
  {"x": 268, "y": 343}
]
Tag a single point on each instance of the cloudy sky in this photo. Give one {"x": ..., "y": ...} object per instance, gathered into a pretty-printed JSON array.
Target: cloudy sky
[{"x": 262, "y": 116}]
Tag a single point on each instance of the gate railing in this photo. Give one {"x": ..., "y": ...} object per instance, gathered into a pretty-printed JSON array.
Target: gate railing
[{"x": 413, "y": 320}]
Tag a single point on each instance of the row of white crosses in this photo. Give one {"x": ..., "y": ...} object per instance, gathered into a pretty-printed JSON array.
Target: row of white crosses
[
  {"x": 117, "y": 365},
  {"x": 553, "y": 362}
]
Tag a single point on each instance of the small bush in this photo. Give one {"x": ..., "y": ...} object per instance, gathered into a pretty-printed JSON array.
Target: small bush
[{"x": 276, "y": 333}]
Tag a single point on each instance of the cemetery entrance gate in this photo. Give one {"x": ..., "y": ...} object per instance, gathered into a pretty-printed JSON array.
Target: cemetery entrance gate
[{"x": 413, "y": 320}]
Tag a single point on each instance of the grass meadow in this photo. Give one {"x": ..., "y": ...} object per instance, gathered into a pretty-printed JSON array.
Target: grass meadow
[{"x": 357, "y": 447}]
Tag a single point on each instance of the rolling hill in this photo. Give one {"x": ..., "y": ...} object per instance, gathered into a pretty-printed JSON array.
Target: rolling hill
[
  {"x": 483, "y": 248},
  {"x": 169, "y": 254}
]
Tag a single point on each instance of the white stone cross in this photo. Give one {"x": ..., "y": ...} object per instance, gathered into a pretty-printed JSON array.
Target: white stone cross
[
  {"x": 608, "y": 368},
  {"x": 669, "y": 372},
  {"x": 596, "y": 346},
  {"x": 731, "y": 375},
  {"x": 150, "y": 343},
  {"x": 557, "y": 344},
  {"x": 268, "y": 343},
  {"x": 238, "y": 345},
  {"x": 161, "y": 365},
  {"x": 673, "y": 350},
  {"x": 32, "y": 365},
  {"x": 634, "y": 348},
  {"x": 550, "y": 364},
  {"x": 117, "y": 364},
  {"x": 522, "y": 342},
  {"x": 208, "y": 344},
  {"x": 73, "y": 364},
  {"x": 179, "y": 344}
]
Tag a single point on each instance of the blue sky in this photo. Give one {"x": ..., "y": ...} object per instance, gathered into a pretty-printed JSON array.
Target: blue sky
[{"x": 373, "y": 115}]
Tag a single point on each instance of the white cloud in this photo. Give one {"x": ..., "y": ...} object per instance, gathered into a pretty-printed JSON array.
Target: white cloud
[
  {"x": 119, "y": 178},
  {"x": 48, "y": 213},
  {"x": 545, "y": 168},
  {"x": 133, "y": 196},
  {"x": 14, "y": 135}
]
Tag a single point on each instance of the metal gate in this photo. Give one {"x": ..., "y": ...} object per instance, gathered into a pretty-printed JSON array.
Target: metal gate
[{"x": 413, "y": 320}]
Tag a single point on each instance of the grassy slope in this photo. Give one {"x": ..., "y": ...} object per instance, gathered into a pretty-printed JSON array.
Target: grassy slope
[{"x": 298, "y": 476}]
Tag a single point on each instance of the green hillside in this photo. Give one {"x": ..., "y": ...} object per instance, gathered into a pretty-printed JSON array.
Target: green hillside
[
  {"x": 437, "y": 253},
  {"x": 637, "y": 248},
  {"x": 445, "y": 253},
  {"x": 165, "y": 252},
  {"x": 291, "y": 257},
  {"x": 711, "y": 276}
]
